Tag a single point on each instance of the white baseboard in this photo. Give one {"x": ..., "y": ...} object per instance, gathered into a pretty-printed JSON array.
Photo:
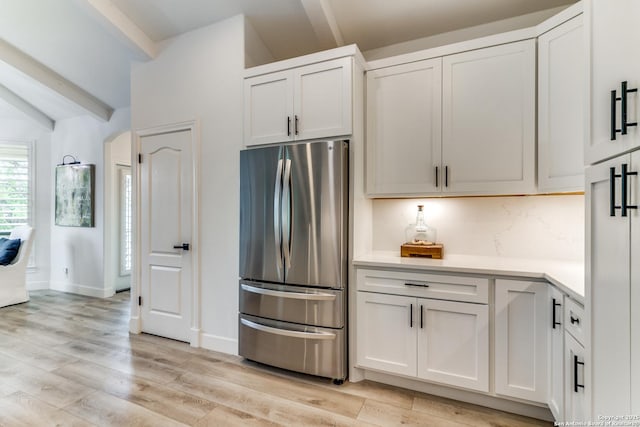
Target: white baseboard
[
  {"x": 88, "y": 291},
  {"x": 37, "y": 285},
  {"x": 221, "y": 344},
  {"x": 529, "y": 410},
  {"x": 134, "y": 325}
]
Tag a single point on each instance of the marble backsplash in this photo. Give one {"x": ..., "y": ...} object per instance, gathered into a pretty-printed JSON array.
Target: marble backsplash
[{"x": 539, "y": 227}]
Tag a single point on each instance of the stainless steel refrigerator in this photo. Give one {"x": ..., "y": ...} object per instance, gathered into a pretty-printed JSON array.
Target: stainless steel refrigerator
[{"x": 293, "y": 257}]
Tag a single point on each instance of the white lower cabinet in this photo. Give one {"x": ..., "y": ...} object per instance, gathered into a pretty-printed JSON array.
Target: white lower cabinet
[
  {"x": 521, "y": 339},
  {"x": 575, "y": 400},
  {"x": 441, "y": 341},
  {"x": 409, "y": 323}
]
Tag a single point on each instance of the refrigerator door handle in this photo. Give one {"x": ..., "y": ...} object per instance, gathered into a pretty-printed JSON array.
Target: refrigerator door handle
[
  {"x": 277, "y": 216},
  {"x": 315, "y": 296},
  {"x": 286, "y": 215},
  {"x": 289, "y": 333}
]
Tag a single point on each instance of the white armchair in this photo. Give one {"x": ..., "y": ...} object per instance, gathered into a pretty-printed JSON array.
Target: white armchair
[{"x": 13, "y": 277}]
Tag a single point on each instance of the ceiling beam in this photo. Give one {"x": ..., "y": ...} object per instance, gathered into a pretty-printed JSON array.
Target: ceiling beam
[
  {"x": 323, "y": 22},
  {"x": 123, "y": 27},
  {"x": 54, "y": 81},
  {"x": 32, "y": 112}
]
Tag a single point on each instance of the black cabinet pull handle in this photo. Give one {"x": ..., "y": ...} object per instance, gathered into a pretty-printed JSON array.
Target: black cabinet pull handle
[
  {"x": 555, "y": 323},
  {"x": 436, "y": 177},
  {"x": 614, "y": 98},
  {"x": 574, "y": 320},
  {"x": 411, "y": 315},
  {"x": 421, "y": 316},
  {"x": 576, "y": 386},
  {"x": 288, "y": 125},
  {"x": 612, "y": 191},
  {"x": 623, "y": 109},
  {"x": 417, "y": 285},
  {"x": 624, "y": 124},
  {"x": 296, "y": 124},
  {"x": 625, "y": 204},
  {"x": 446, "y": 176},
  {"x": 183, "y": 246}
]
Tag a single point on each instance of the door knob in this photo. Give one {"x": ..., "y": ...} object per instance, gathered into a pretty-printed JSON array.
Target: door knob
[{"x": 183, "y": 246}]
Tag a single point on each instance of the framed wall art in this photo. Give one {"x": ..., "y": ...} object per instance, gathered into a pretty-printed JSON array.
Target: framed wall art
[{"x": 75, "y": 195}]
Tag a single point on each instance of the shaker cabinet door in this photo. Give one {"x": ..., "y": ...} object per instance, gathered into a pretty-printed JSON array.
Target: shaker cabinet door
[
  {"x": 323, "y": 99},
  {"x": 404, "y": 129},
  {"x": 268, "y": 109},
  {"x": 561, "y": 108},
  {"x": 488, "y": 120},
  {"x": 453, "y": 343},
  {"x": 614, "y": 38},
  {"x": 387, "y": 333},
  {"x": 521, "y": 322}
]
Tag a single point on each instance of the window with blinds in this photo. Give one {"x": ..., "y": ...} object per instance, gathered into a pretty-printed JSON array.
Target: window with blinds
[{"x": 15, "y": 185}]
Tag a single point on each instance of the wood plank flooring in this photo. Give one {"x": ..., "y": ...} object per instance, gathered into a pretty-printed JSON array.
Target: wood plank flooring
[{"x": 68, "y": 360}]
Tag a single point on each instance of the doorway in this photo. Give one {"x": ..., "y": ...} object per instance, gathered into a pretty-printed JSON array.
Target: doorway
[{"x": 118, "y": 244}]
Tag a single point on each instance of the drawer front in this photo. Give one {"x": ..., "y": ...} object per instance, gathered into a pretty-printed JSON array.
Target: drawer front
[
  {"x": 574, "y": 320},
  {"x": 315, "y": 351},
  {"x": 296, "y": 304},
  {"x": 424, "y": 285}
]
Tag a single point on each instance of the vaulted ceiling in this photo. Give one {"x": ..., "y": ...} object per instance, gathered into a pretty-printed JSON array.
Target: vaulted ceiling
[{"x": 64, "y": 58}]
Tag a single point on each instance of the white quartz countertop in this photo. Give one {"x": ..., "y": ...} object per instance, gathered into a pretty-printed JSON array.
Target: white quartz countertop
[{"x": 566, "y": 275}]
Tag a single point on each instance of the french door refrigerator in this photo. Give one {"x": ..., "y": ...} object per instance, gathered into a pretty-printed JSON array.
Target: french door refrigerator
[{"x": 293, "y": 257}]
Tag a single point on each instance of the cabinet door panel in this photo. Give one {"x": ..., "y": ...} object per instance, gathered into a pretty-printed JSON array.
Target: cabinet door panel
[
  {"x": 322, "y": 102},
  {"x": 556, "y": 353},
  {"x": 404, "y": 129},
  {"x": 386, "y": 333},
  {"x": 635, "y": 287},
  {"x": 453, "y": 343},
  {"x": 488, "y": 115},
  {"x": 607, "y": 286},
  {"x": 614, "y": 34},
  {"x": 561, "y": 94},
  {"x": 268, "y": 107},
  {"x": 575, "y": 397},
  {"x": 521, "y": 322}
]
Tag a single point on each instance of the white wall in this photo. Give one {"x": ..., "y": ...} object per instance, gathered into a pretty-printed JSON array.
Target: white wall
[
  {"x": 198, "y": 75},
  {"x": 80, "y": 250},
  {"x": 37, "y": 277},
  {"x": 540, "y": 227},
  {"x": 496, "y": 27}
]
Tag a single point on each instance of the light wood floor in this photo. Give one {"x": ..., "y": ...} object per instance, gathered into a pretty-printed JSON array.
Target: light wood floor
[{"x": 68, "y": 360}]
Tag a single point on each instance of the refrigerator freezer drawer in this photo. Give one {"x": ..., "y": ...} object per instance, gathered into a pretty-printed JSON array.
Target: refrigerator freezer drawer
[
  {"x": 295, "y": 304},
  {"x": 315, "y": 351}
]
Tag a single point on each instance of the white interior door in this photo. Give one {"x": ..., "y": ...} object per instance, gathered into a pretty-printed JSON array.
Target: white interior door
[{"x": 166, "y": 222}]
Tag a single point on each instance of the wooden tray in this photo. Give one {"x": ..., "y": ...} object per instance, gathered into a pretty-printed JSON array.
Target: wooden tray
[{"x": 426, "y": 251}]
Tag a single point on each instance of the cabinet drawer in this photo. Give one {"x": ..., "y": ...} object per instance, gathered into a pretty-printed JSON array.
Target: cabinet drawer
[
  {"x": 424, "y": 285},
  {"x": 574, "y": 319}
]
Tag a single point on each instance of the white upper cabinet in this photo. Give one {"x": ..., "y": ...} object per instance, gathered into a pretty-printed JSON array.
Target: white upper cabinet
[
  {"x": 456, "y": 125},
  {"x": 268, "y": 108},
  {"x": 614, "y": 41},
  {"x": 561, "y": 95},
  {"x": 323, "y": 99},
  {"x": 488, "y": 131},
  {"x": 307, "y": 102},
  {"x": 404, "y": 129}
]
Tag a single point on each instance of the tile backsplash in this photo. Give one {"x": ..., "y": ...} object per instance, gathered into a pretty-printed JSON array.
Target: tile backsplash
[{"x": 540, "y": 227}]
